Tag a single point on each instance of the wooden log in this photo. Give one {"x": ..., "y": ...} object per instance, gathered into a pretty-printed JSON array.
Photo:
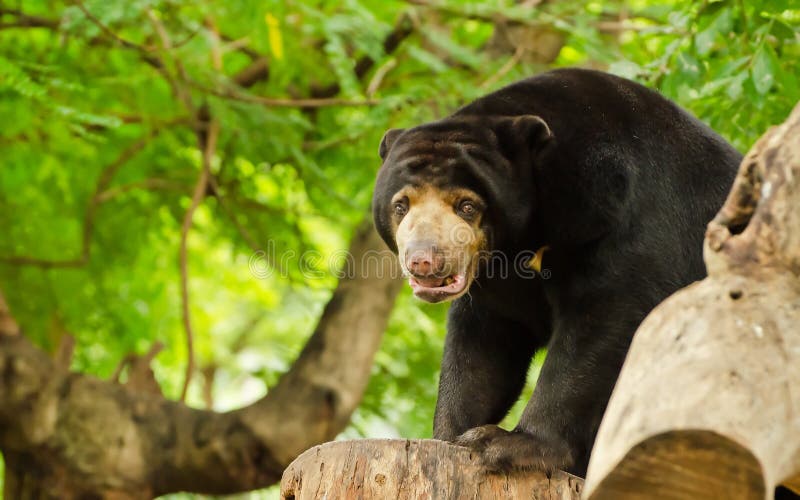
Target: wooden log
[
  {"x": 412, "y": 469},
  {"x": 708, "y": 402}
]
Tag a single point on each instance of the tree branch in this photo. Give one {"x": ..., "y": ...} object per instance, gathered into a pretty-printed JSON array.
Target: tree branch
[
  {"x": 391, "y": 42},
  {"x": 109, "y": 32},
  {"x": 380, "y": 74},
  {"x": 257, "y": 71},
  {"x": 488, "y": 17},
  {"x": 140, "y": 374},
  {"x": 279, "y": 102},
  {"x": 8, "y": 326},
  {"x": 27, "y": 21},
  {"x": 503, "y": 71},
  {"x": 72, "y": 435},
  {"x": 200, "y": 189},
  {"x": 179, "y": 86},
  {"x": 146, "y": 184}
]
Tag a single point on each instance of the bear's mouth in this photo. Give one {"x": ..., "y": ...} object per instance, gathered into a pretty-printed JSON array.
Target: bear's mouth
[{"x": 436, "y": 289}]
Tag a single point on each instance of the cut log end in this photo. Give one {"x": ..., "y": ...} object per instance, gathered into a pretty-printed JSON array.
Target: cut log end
[
  {"x": 412, "y": 469},
  {"x": 684, "y": 465}
]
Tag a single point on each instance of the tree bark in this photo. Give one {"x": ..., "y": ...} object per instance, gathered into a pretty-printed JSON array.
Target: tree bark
[
  {"x": 411, "y": 469},
  {"x": 65, "y": 435},
  {"x": 707, "y": 404}
]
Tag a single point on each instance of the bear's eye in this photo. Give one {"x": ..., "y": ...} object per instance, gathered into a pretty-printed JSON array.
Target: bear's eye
[
  {"x": 400, "y": 207},
  {"x": 467, "y": 209}
]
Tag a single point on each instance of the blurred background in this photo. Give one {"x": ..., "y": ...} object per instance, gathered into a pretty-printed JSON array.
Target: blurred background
[{"x": 148, "y": 142}]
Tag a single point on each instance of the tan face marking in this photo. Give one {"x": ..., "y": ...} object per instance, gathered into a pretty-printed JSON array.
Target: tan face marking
[{"x": 439, "y": 238}]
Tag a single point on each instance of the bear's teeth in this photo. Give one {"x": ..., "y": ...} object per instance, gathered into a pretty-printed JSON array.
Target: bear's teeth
[{"x": 449, "y": 280}]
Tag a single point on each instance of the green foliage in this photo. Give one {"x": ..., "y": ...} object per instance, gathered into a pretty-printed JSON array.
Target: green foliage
[
  {"x": 731, "y": 63},
  {"x": 76, "y": 92}
]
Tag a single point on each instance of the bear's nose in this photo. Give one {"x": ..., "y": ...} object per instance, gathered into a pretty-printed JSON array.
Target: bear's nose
[{"x": 423, "y": 258}]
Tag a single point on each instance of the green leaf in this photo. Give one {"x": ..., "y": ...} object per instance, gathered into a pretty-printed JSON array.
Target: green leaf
[
  {"x": 720, "y": 25},
  {"x": 458, "y": 52},
  {"x": 764, "y": 69},
  {"x": 427, "y": 59},
  {"x": 14, "y": 78},
  {"x": 626, "y": 69},
  {"x": 735, "y": 88}
]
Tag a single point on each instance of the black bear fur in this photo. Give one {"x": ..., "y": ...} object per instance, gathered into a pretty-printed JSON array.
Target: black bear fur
[{"x": 619, "y": 183}]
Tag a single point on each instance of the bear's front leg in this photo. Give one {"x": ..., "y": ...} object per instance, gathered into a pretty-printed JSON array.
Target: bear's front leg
[
  {"x": 486, "y": 359},
  {"x": 559, "y": 424}
]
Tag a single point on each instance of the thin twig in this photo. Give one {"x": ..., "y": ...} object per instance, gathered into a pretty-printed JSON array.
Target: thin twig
[
  {"x": 125, "y": 361},
  {"x": 179, "y": 88},
  {"x": 216, "y": 53},
  {"x": 503, "y": 71},
  {"x": 188, "y": 38},
  {"x": 24, "y": 260},
  {"x": 255, "y": 72},
  {"x": 207, "y": 135},
  {"x": 317, "y": 146},
  {"x": 209, "y": 372},
  {"x": 146, "y": 184},
  {"x": 286, "y": 103},
  {"x": 8, "y": 326},
  {"x": 240, "y": 45},
  {"x": 24, "y": 20},
  {"x": 140, "y": 374},
  {"x": 616, "y": 27},
  {"x": 64, "y": 352},
  {"x": 379, "y": 75},
  {"x": 109, "y": 32},
  {"x": 28, "y": 23},
  {"x": 488, "y": 17},
  {"x": 199, "y": 191},
  {"x": 401, "y": 31}
]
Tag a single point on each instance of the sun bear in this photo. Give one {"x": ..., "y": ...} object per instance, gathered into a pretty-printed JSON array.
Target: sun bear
[{"x": 555, "y": 213}]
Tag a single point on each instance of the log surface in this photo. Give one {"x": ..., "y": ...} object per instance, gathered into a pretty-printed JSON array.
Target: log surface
[{"x": 412, "y": 469}]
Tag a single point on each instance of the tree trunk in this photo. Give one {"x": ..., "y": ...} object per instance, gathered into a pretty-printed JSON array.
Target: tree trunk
[
  {"x": 708, "y": 402},
  {"x": 411, "y": 469},
  {"x": 66, "y": 435}
]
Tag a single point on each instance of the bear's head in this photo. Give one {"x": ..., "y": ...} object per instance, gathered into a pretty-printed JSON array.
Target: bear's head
[{"x": 454, "y": 190}]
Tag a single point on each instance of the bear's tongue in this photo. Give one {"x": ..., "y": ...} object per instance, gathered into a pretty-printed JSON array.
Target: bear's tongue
[{"x": 432, "y": 282}]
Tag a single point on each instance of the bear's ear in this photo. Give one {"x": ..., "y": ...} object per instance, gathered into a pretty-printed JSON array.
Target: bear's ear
[
  {"x": 389, "y": 137},
  {"x": 516, "y": 134}
]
